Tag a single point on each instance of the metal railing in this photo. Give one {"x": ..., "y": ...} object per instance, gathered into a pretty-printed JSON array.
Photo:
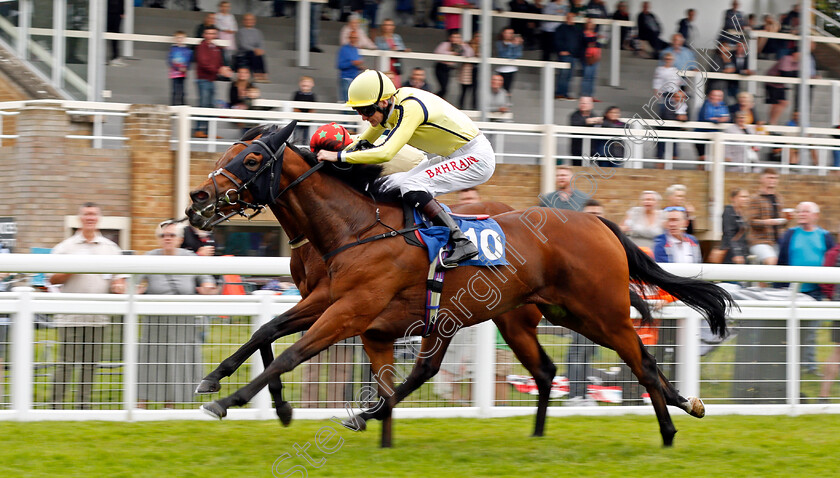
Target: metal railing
[{"x": 756, "y": 370}]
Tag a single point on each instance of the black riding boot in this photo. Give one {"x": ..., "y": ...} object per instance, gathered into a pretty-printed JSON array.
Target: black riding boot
[{"x": 463, "y": 249}]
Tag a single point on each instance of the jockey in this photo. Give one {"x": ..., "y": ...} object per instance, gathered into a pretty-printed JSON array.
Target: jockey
[{"x": 461, "y": 156}]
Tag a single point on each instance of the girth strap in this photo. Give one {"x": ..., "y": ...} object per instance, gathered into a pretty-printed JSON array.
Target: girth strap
[{"x": 377, "y": 237}]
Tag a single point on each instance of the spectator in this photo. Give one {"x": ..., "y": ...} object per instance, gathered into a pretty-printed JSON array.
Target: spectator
[
  {"x": 565, "y": 197},
  {"x": 578, "y": 8},
  {"x": 739, "y": 62},
  {"x": 369, "y": 12},
  {"x": 314, "y": 27},
  {"x": 209, "y": 21},
  {"x": 581, "y": 349},
  {"x": 735, "y": 228},
  {"x": 304, "y": 93},
  {"x": 391, "y": 41},
  {"x": 740, "y": 153},
  {"x": 169, "y": 353},
  {"x": 683, "y": 57},
  {"x": 423, "y": 12},
  {"x": 452, "y": 21},
  {"x": 831, "y": 292},
  {"x": 456, "y": 47},
  {"x": 593, "y": 207},
  {"x": 776, "y": 93},
  {"x": 765, "y": 218},
  {"x": 733, "y": 20},
  {"x": 418, "y": 80},
  {"x": 686, "y": 28},
  {"x": 250, "y": 47},
  {"x": 80, "y": 337},
  {"x": 596, "y": 9},
  {"x": 714, "y": 110},
  {"x": 180, "y": 57},
  {"x": 746, "y": 105},
  {"x": 548, "y": 29},
  {"x": 239, "y": 89},
  {"x": 226, "y": 23},
  {"x": 201, "y": 242},
  {"x": 569, "y": 49},
  {"x": 116, "y": 11},
  {"x": 769, "y": 48},
  {"x": 675, "y": 245},
  {"x": 611, "y": 150},
  {"x": 676, "y": 196},
  {"x": 722, "y": 59},
  {"x": 807, "y": 245},
  {"x": 790, "y": 19},
  {"x": 468, "y": 196},
  {"x": 674, "y": 107},
  {"x": 583, "y": 116},
  {"x": 509, "y": 46},
  {"x": 405, "y": 12},
  {"x": 467, "y": 76},
  {"x": 591, "y": 59},
  {"x": 643, "y": 223},
  {"x": 210, "y": 64},
  {"x": 499, "y": 97},
  {"x": 622, "y": 14},
  {"x": 523, "y": 28},
  {"x": 354, "y": 24},
  {"x": 650, "y": 29},
  {"x": 349, "y": 64},
  {"x": 666, "y": 77}
]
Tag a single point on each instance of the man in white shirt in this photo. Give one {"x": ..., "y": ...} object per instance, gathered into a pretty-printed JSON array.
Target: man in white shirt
[{"x": 81, "y": 336}]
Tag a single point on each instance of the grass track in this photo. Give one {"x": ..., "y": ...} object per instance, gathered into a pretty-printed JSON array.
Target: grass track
[{"x": 575, "y": 446}]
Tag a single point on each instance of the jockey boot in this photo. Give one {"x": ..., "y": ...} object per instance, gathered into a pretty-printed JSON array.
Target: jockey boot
[{"x": 463, "y": 249}]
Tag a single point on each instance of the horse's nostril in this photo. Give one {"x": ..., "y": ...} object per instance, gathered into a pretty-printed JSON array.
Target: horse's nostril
[{"x": 199, "y": 196}]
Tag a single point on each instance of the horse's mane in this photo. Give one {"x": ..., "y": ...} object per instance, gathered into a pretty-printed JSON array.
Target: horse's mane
[{"x": 358, "y": 176}]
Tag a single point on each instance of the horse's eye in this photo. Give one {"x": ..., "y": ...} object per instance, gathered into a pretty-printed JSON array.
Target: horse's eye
[{"x": 251, "y": 163}]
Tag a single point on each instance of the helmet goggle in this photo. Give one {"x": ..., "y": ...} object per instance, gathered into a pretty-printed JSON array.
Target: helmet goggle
[{"x": 368, "y": 110}]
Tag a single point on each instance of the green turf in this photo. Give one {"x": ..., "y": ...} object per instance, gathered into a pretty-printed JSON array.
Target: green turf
[{"x": 574, "y": 446}]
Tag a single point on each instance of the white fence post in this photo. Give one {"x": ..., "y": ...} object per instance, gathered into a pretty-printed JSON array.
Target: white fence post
[
  {"x": 716, "y": 185},
  {"x": 130, "y": 338},
  {"x": 484, "y": 390},
  {"x": 182, "y": 165},
  {"x": 615, "y": 52},
  {"x": 304, "y": 24},
  {"x": 688, "y": 354},
  {"x": 548, "y": 93},
  {"x": 792, "y": 349},
  {"x": 262, "y": 401},
  {"x": 22, "y": 352},
  {"x": 548, "y": 163}
]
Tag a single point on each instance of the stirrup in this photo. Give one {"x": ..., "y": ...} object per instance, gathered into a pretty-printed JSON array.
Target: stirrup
[{"x": 441, "y": 257}]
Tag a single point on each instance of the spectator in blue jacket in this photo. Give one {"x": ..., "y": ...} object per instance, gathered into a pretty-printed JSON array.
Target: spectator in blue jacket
[
  {"x": 714, "y": 110},
  {"x": 180, "y": 57},
  {"x": 509, "y": 46},
  {"x": 349, "y": 64},
  {"x": 806, "y": 245},
  {"x": 675, "y": 246}
]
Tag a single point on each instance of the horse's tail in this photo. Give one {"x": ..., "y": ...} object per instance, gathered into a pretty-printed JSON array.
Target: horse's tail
[
  {"x": 704, "y": 297},
  {"x": 642, "y": 306}
]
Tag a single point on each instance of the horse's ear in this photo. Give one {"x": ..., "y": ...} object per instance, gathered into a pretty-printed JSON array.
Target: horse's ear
[{"x": 277, "y": 139}]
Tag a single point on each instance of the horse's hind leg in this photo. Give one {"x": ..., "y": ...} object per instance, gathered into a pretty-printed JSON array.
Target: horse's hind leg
[
  {"x": 519, "y": 329},
  {"x": 691, "y": 405}
]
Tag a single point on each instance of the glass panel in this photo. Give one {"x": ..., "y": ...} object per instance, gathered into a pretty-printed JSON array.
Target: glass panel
[{"x": 8, "y": 20}]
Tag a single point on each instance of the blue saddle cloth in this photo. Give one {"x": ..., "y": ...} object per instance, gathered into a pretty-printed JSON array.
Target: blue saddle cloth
[{"x": 483, "y": 231}]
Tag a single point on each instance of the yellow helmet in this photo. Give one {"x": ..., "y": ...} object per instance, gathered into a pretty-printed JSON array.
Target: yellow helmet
[{"x": 369, "y": 88}]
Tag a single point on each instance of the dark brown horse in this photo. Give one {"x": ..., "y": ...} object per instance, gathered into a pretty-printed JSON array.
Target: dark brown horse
[
  {"x": 575, "y": 268},
  {"x": 309, "y": 272}
]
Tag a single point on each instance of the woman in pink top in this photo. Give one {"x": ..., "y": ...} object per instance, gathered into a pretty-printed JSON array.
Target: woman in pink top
[{"x": 452, "y": 21}]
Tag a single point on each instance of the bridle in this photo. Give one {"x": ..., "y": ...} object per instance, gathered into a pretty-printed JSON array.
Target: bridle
[{"x": 266, "y": 194}]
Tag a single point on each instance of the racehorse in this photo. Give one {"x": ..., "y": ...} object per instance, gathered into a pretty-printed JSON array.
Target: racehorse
[
  {"x": 309, "y": 272},
  {"x": 575, "y": 267}
]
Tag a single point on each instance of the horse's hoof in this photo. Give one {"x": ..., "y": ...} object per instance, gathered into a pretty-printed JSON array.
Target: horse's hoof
[
  {"x": 284, "y": 413},
  {"x": 695, "y": 407},
  {"x": 214, "y": 410},
  {"x": 355, "y": 424},
  {"x": 208, "y": 386}
]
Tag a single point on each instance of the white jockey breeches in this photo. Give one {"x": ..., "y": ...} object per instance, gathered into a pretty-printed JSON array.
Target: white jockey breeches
[{"x": 467, "y": 167}]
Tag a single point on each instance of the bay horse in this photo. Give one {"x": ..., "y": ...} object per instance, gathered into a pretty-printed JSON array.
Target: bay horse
[
  {"x": 309, "y": 272},
  {"x": 574, "y": 267}
]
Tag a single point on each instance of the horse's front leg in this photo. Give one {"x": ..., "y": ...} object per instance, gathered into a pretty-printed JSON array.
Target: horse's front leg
[
  {"x": 381, "y": 354},
  {"x": 426, "y": 366},
  {"x": 337, "y": 323},
  {"x": 298, "y": 318}
]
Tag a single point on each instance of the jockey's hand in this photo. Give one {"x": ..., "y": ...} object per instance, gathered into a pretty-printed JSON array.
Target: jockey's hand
[{"x": 325, "y": 155}]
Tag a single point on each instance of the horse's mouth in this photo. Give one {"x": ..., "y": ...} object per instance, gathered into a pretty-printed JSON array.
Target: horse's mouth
[{"x": 200, "y": 219}]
